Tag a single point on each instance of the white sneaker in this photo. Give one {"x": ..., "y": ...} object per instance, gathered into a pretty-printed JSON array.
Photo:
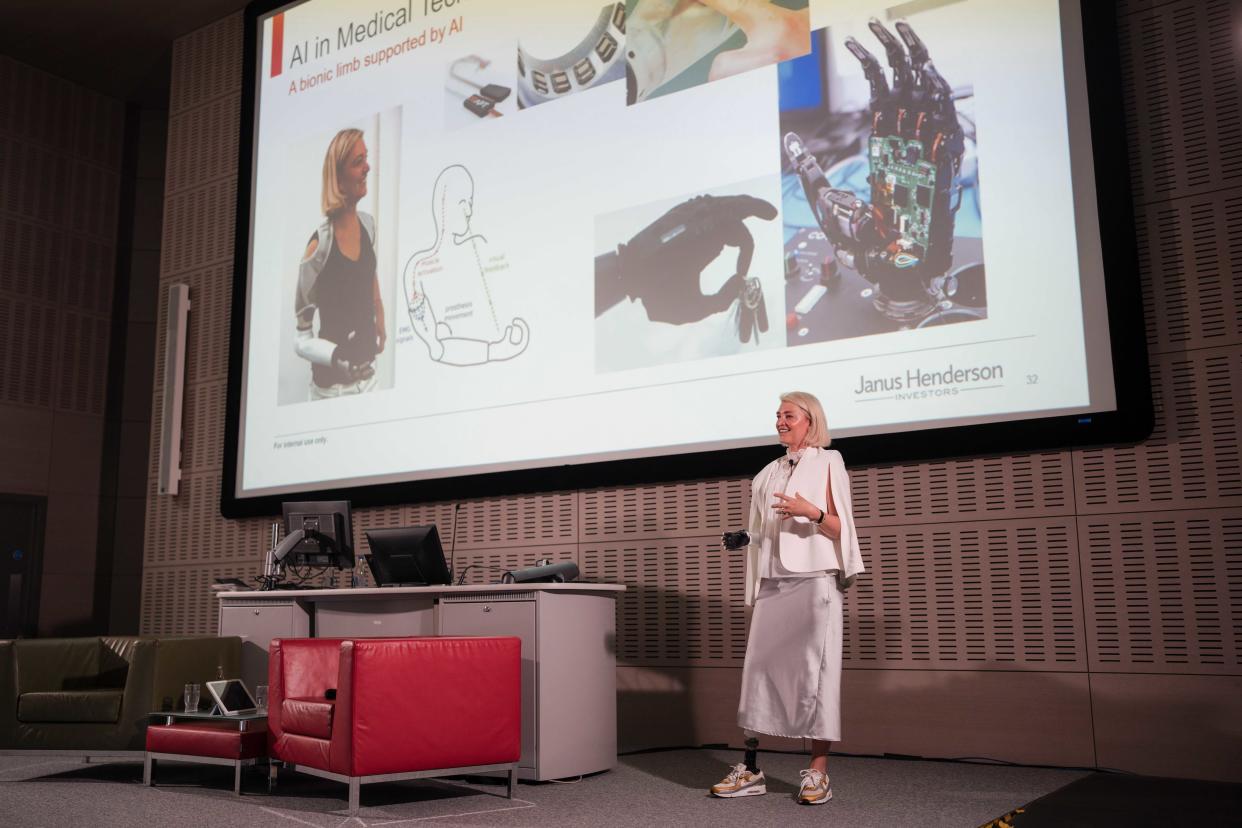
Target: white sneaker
[
  {"x": 815, "y": 789},
  {"x": 740, "y": 782}
]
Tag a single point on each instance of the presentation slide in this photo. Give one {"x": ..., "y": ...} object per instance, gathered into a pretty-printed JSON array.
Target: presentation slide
[{"x": 488, "y": 235}]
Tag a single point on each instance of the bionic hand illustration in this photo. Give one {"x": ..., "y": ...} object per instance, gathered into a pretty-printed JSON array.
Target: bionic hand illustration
[
  {"x": 662, "y": 264},
  {"x": 902, "y": 240}
]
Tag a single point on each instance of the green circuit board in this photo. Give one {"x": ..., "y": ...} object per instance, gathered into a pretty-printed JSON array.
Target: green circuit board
[{"x": 903, "y": 188}]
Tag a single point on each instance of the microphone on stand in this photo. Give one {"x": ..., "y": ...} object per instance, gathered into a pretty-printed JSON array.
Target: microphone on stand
[{"x": 453, "y": 548}]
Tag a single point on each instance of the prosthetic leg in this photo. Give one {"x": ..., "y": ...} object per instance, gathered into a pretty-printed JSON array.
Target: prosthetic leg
[
  {"x": 745, "y": 778},
  {"x": 751, "y": 759}
]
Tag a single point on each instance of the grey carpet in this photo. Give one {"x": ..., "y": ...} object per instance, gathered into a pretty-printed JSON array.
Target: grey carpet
[{"x": 648, "y": 789}]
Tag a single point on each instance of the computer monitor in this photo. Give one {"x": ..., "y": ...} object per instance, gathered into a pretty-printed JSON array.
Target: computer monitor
[
  {"x": 329, "y": 533},
  {"x": 409, "y": 556}
]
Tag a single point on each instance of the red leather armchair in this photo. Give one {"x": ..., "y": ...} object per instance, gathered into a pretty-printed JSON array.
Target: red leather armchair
[{"x": 403, "y": 708}]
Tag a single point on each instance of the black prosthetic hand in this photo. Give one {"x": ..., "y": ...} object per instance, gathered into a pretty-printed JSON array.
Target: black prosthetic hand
[{"x": 662, "y": 264}]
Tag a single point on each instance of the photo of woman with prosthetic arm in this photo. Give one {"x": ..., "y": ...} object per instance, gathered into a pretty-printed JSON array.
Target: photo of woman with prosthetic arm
[{"x": 337, "y": 280}]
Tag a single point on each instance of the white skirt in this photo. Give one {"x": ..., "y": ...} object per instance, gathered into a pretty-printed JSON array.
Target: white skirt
[{"x": 791, "y": 679}]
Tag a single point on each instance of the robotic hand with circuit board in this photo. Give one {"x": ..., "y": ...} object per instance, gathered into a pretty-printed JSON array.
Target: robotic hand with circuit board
[{"x": 902, "y": 240}]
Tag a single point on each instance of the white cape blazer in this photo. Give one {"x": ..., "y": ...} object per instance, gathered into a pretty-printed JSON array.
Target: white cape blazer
[{"x": 803, "y": 548}]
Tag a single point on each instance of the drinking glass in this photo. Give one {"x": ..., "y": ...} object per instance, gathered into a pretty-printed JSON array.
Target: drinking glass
[
  {"x": 191, "y": 697},
  {"x": 260, "y": 697}
]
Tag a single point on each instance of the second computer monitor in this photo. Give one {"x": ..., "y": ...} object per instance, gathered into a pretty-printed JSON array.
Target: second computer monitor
[
  {"x": 409, "y": 556},
  {"x": 329, "y": 539}
]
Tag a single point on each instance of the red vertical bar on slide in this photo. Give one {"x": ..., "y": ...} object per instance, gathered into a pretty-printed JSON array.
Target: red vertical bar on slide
[{"x": 278, "y": 43}]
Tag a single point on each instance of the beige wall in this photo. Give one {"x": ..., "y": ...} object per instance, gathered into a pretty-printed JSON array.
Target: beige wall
[{"x": 1065, "y": 607}]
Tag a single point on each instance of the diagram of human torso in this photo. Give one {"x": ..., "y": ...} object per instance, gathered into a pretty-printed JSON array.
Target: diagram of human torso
[{"x": 447, "y": 289}]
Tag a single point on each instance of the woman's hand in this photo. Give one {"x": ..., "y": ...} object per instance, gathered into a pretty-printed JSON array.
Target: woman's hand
[{"x": 795, "y": 506}]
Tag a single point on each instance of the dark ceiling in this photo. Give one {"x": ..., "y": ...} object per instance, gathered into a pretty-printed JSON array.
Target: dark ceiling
[{"x": 118, "y": 47}]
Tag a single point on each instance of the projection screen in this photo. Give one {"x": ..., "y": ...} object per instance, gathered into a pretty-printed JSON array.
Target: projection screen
[{"x": 482, "y": 241}]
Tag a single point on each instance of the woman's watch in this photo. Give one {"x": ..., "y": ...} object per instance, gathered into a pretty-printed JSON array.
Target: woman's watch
[{"x": 822, "y": 515}]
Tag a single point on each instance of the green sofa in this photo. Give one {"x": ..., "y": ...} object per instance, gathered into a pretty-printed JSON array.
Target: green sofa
[{"x": 94, "y": 694}]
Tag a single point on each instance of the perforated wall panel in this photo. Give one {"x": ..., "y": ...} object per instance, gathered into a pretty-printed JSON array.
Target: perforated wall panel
[
  {"x": 172, "y": 601},
  {"x": 1193, "y": 457},
  {"x": 525, "y": 520},
  {"x": 59, "y": 191},
  {"x": 206, "y": 65},
  {"x": 995, "y": 595},
  {"x": 202, "y": 439},
  {"x": 1164, "y": 591},
  {"x": 487, "y": 566},
  {"x": 665, "y": 511},
  {"x": 201, "y": 222},
  {"x": 1190, "y": 261},
  {"x": 32, "y": 259},
  {"x": 89, "y": 267},
  {"x": 991, "y": 488},
  {"x": 83, "y": 358},
  {"x": 28, "y": 335},
  {"x": 58, "y": 115},
  {"x": 1182, "y": 99},
  {"x": 207, "y": 334},
  {"x": 684, "y": 603},
  {"x": 202, "y": 144}
]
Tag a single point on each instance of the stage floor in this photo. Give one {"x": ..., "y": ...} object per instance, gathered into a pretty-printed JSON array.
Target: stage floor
[{"x": 647, "y": 789}]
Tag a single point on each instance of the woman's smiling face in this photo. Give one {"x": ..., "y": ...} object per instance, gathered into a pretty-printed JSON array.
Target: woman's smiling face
[
  {"x": 792, "y": 424},
  {"x": 353, "y": 172}
]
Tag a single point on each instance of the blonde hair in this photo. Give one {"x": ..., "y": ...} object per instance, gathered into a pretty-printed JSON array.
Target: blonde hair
[
  {"x": 817, "y": 434},
  {"x": 333, "y": 200}
]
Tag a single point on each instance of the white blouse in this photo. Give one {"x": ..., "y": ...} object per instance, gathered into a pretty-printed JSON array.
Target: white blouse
[{"x": 778, "y": 479}]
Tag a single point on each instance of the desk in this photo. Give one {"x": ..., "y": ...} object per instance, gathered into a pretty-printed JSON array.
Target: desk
[{"x": 568, "y": 632}]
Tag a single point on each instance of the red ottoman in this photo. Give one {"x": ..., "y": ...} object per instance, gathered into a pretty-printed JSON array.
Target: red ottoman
[{"x": 207, "y": 742}]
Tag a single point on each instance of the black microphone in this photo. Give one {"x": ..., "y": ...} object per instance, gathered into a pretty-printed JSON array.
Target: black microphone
[{"x": 453, "y": 548}]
